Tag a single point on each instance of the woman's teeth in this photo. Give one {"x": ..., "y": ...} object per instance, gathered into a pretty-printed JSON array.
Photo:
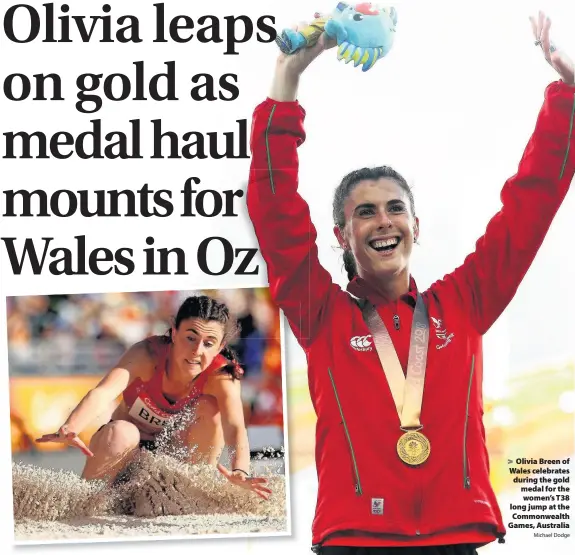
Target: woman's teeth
[{"x": 385, "y": 244}]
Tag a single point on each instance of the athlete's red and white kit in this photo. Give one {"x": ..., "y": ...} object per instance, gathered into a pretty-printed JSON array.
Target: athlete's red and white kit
[
  {"x": 448, "y": 499},
  {"x": 145, "y": 401}
]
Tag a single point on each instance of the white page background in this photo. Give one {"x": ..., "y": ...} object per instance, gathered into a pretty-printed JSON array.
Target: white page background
[{"x": 451, "y": 107}]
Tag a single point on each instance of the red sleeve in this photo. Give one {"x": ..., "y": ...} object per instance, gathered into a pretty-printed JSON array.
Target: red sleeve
[
  {"x": 299, "y": 285},
  {"x": 490, "y": 276}
]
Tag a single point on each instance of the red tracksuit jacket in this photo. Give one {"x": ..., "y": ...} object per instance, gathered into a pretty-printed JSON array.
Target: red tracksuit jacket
[{"x": 449, "y": 498}]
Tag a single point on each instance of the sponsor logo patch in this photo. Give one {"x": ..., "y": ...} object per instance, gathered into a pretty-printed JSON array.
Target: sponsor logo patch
[{"x": 361, "y": 342}]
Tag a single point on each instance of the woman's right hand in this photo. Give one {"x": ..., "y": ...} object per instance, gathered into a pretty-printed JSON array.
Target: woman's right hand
[
  {"x": 289, "y": 67},
  {"x": 67, "y": 437},
  {"x": 297, "y": 62}
]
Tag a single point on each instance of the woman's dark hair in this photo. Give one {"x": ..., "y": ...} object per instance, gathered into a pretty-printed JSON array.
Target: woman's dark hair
[
  {"x": 209, "y": 309},
  {"x": 347, "y": 185}
]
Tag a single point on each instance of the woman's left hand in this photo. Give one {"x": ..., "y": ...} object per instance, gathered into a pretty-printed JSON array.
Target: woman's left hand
[
  {"x": 555, "y": 57},
  {"x": 246, "y": 482}
]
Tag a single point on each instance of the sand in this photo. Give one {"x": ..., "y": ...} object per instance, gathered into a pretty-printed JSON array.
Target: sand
[
  {"x": 160, "y": 497},
  {"x": 114, "y": 527}
]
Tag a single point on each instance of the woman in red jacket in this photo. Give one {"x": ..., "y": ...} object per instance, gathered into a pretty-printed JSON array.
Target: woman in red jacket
[
  {"x": 407, "y": 466},
  {"x": 190, "y": 372}
]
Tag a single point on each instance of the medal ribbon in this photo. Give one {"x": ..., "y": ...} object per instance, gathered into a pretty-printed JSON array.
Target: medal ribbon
[{"x": 407, "y": 391}]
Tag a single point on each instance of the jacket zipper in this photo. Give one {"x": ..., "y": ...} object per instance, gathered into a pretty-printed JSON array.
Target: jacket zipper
[
  {"x": 417, "y": 511},
  {"x": 358, "y": 489},
  {"x": 268, "y": 149},
  {"x": 568, "y": 139},
  {"x": 466, "y": 479}
]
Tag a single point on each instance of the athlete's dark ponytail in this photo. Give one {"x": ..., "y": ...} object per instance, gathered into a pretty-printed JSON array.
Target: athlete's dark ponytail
[{"x": 234, "y": 367}]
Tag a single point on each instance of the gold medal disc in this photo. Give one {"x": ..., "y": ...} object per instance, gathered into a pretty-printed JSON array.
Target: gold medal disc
[{"x": 413, "y": 448}]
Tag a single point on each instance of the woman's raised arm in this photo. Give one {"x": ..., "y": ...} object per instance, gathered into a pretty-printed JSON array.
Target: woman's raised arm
[
  {"x": 298, "y": 283},
  {"x": 490, "y": 276}
]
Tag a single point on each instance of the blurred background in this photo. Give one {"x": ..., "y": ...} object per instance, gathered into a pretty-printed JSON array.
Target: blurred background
[
  {"x": 533, "y": 419},
  {"x": 60, "y": 346}
]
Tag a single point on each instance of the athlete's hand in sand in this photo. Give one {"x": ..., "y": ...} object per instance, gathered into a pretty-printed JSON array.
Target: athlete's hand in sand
[
  {"x": 556, "y": 58},
  {"x": 246, "y": 482},
  {"x": 69, "y": 438}
]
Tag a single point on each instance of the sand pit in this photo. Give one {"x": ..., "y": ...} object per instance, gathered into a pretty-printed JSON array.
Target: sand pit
[
  {"x": 160, "y": 497},
  {"x": 113, "y": 527}
]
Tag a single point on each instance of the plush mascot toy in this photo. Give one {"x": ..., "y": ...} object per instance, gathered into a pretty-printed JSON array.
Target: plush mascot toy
[{"x": 364, "y": 33}]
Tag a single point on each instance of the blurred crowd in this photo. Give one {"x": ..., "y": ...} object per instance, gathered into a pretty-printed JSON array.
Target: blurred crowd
[
  {"x": 61, "y": 336},
  {"x": 61, "y": 323}
]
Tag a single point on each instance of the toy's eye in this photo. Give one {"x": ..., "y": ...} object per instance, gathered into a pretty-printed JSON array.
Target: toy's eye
[{"x": 358, "y": 17}]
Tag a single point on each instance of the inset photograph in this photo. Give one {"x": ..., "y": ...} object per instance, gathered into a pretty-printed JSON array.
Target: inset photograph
[{"x": 147, "y": 414}]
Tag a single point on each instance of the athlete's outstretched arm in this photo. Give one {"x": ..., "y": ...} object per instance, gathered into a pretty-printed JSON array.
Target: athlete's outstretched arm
[
  {"x": 490, "y": 276},
  {"x": 287, "y": 238},
  {"x": 227, "y": 391},
  {"x": 98, "y": 399},
  {"x": 228, "y": 394}
]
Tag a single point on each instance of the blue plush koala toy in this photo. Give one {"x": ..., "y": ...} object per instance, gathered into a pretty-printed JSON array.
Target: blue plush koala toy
[{"x": 364, "y": 33}]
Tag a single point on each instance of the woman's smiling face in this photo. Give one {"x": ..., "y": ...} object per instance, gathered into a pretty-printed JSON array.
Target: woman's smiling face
[{"x": 379, "y": 228}]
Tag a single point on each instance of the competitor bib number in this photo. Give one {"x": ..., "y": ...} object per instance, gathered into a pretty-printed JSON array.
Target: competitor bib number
[{"x": 144, "y": 414}]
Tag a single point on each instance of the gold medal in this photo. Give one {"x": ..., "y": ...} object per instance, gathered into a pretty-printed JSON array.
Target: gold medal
[{"x": 413, "y": 448}]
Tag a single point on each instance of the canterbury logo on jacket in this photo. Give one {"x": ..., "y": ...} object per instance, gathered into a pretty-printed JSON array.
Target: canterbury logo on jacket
[{"x": 449, "y": 498}]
